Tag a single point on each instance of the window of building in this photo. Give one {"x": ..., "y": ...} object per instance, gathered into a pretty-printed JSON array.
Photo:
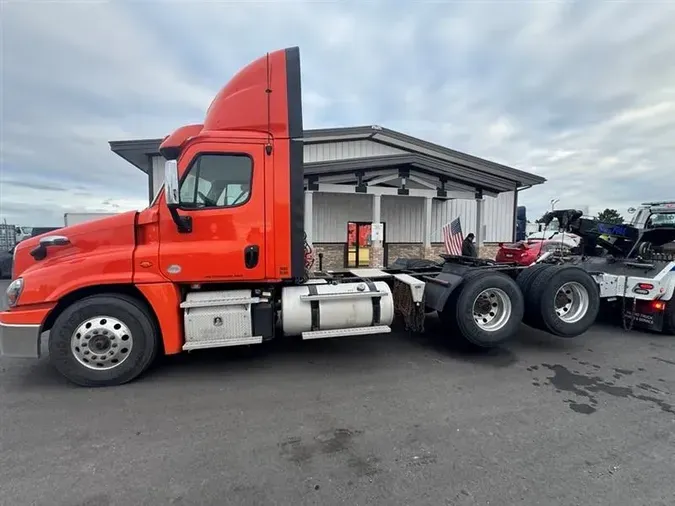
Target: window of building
[{"x": 217, "y": 180}]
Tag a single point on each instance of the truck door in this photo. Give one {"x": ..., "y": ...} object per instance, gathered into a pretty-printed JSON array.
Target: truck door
[{"x": 222, "y": 191}]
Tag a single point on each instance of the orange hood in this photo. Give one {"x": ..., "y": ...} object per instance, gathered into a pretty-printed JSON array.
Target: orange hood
[{"x": 88, "y": 238}]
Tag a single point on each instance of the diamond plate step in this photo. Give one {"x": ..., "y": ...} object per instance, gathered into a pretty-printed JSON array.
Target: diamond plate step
[
  {"x": 220, "y": 343},
  {"x": 356, "y": 331}
]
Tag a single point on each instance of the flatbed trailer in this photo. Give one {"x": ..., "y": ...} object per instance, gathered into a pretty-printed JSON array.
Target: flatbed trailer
[{"x": 219, "y": 259}]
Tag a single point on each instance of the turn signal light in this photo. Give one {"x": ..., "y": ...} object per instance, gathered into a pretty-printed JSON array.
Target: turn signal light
[
  {"x": 658, "y": 305},
  {"x": 645, "y": 286}
]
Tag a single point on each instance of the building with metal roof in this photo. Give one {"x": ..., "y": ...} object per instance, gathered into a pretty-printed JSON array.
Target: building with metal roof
[{"x": 357, "y": 176}]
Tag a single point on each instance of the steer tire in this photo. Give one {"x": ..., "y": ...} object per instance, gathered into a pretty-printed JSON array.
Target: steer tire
[
  {"x": 458, "y": 314},
  {"x": 131, "y": 313},
  {"x": 541, "y": 300},
  {"x": 525, "y": 279}
]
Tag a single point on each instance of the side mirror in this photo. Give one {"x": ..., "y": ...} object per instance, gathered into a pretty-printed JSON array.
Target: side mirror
[
  {"x": 631, "y": 210},
  {"x": 172, "y": 194},
  {"x": 171, "y": 190}
]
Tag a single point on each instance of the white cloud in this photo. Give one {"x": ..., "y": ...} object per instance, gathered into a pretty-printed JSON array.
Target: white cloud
[{"x": 581, "y": 93}]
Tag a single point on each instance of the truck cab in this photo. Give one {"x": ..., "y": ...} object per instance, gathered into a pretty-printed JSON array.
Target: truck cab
[{"x": 653, "y": 214}]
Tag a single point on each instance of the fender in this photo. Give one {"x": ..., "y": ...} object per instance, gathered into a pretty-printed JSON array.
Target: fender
[{"x": 438, "y": 288}]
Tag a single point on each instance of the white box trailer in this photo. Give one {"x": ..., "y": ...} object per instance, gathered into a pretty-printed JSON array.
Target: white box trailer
[{"x": 75, "y": 218}]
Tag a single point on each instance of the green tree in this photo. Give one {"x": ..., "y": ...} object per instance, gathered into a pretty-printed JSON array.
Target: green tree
[{"x": 610, "y": 216}]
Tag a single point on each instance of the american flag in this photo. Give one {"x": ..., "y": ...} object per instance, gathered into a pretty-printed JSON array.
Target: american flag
[{"x": 453, "y": 237}]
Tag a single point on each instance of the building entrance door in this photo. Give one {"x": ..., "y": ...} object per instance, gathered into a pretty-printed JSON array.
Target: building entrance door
[{"x": 358, "y": 244}]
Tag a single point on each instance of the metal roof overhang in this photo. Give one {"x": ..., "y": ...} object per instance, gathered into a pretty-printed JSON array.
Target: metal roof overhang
[
  {"x": 406, "y": 142},
  {"x": 447, "y": 171},
  {"x": 137, "y": 152},
  {"x": 422, "y": 155}
]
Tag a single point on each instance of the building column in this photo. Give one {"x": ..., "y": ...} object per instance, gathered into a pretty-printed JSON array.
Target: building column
[
  {"x": 427, "y": 251},
  {"x": 376, "y": 249},
  {"x": 479, "y": 221},
  {"x": 309, "y": 214}
]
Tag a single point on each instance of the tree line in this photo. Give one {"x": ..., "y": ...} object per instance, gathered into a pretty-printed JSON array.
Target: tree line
[{"x": 607, "y": 216}]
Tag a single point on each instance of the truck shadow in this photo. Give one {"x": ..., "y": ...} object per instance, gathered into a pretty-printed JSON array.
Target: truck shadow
[{"x": 356, "y": 354}]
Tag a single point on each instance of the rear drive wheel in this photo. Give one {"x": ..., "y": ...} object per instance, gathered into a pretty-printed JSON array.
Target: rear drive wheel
[
  {"x": 565, "y": 301},
  {"x": 103, "y": 340},
  {"x": 486, "y": 309},
  {"x": 525, "y": 279}
]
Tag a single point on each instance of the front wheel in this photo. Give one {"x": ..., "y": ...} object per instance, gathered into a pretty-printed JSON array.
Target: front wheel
[{"x": 103, "y": 340}]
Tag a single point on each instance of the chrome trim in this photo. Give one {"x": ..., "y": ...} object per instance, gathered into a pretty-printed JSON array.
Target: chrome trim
[{"x": 54, "y": 240}]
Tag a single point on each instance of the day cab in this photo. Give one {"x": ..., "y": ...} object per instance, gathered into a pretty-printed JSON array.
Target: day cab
[{"x": 110, "y": 290}]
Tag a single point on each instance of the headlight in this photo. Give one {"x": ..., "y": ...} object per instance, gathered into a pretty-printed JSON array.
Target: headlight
[{"x": 13, "y": 291}]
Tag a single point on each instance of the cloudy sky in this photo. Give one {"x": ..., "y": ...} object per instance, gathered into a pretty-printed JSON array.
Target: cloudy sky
[{"x": 582, "y": 93}]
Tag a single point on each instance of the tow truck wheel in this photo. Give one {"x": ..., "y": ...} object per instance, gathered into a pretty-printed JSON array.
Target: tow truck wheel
[
  {"x": 103, "y": 340},
  {"x": 486, "y": 309},
  {"x": 564, "y": 301}
]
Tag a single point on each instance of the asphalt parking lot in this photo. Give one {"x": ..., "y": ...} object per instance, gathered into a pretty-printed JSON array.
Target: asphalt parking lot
[{"x": 392, "y": 420}]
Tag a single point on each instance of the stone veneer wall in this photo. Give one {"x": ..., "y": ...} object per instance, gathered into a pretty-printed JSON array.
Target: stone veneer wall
[
  {"x": 334, "y": 253},
  {"x": 416, "y": 250}
]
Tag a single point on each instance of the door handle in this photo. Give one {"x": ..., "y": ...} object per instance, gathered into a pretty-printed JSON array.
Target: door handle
[{"x": 251, "y": 256}]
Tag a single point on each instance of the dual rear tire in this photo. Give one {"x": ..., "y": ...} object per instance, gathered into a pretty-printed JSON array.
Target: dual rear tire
[
  {"x": 488, "y": 307},
  {"x": 559, "y": 299}
]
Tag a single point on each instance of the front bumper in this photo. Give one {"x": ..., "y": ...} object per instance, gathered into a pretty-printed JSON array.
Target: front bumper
[
  {"x": 20, "y": 330},
  {"x": 20, "y": 341}
]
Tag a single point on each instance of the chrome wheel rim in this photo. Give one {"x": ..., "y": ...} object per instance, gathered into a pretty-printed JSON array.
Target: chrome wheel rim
[
  {"x": 491, "y": 309},
  {"x": 101, "y": 343},
  {"x": 571, "y": 302}
]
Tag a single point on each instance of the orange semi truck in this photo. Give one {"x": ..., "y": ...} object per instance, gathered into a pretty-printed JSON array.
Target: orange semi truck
[{"x": 218, "y": 260}]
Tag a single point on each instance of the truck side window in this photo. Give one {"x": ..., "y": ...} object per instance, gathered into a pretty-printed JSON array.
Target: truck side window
[{"x": 217, "y": 180}]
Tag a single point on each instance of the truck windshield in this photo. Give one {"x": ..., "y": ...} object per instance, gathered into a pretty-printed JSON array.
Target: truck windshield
[{"x": 661, "y": 220}]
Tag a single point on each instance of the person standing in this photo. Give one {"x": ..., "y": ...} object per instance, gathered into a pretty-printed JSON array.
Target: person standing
[{"x": 468, "y": 247}]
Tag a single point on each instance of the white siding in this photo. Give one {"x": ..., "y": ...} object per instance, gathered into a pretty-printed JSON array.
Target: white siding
[
  {"x": 344, "y": 150},
  {"x": 403, "y": 216},
  {"x": 332, "y": 211},
  {"x": 498, "y": 216}
]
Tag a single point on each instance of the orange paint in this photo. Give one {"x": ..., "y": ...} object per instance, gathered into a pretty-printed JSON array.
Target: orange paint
[
  {"x": 34, "y": 315},
  {"x": 100, "y": 252},
  {"x": 257, "y": 114},
  {"x": 165, "y": 300}
]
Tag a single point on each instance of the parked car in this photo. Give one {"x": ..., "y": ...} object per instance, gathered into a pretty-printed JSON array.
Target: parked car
[
  {"x": 6, "y": 262},
  {"x": 526, "y": 252}
]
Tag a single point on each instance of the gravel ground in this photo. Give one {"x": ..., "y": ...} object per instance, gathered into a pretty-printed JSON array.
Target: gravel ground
[{"x": 391, "y": 419}]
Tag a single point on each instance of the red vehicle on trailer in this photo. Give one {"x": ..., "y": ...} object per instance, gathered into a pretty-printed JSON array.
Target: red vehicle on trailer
[{"x": 218, "y": 259}]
